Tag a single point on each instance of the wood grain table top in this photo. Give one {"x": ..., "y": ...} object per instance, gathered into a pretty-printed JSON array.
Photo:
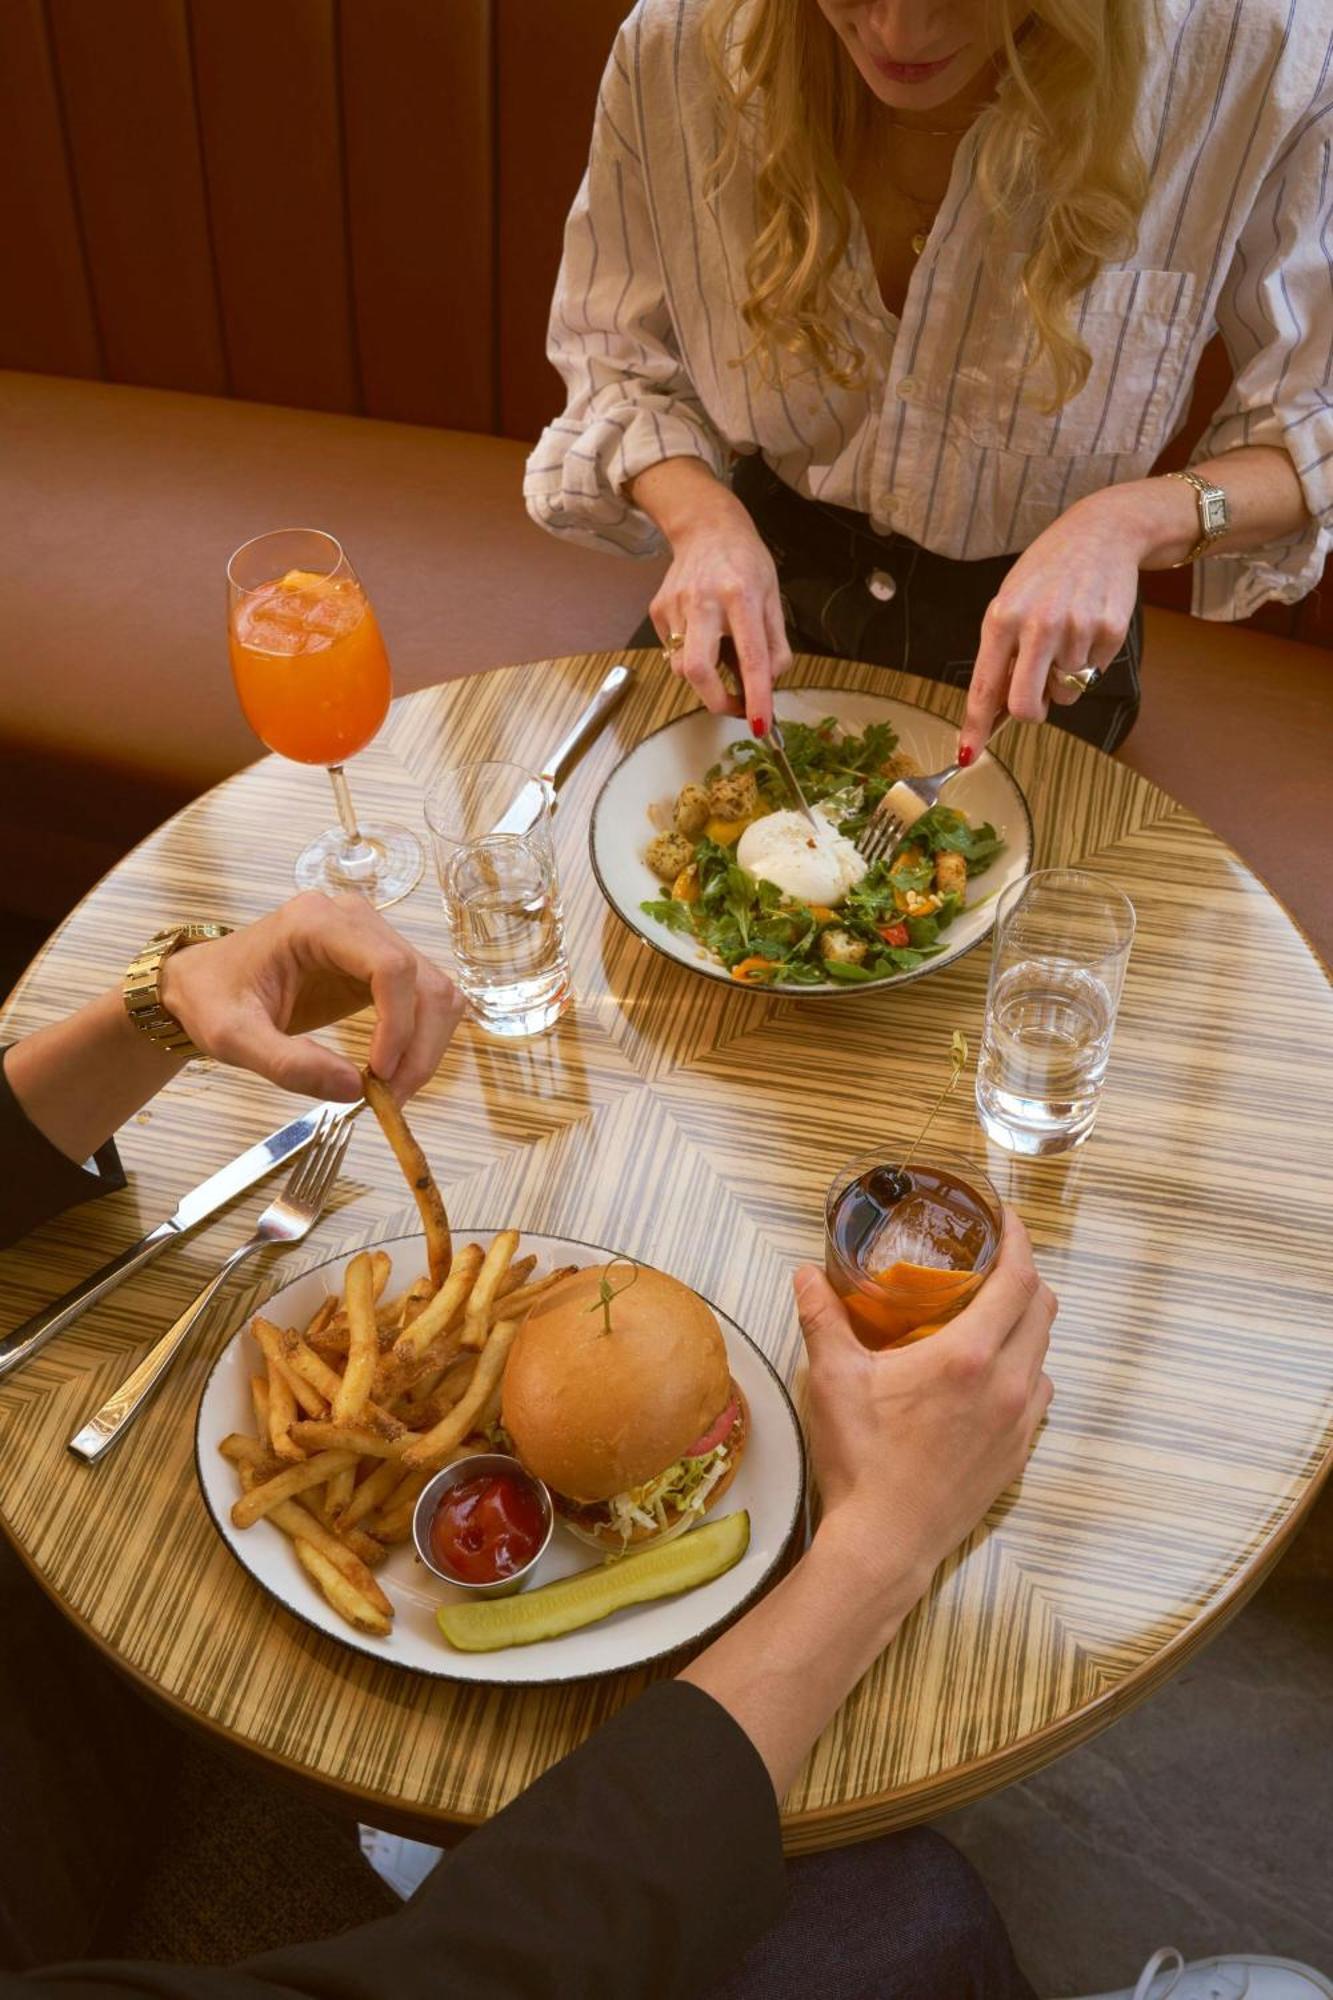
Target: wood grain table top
[{"x": 1188, "y": 1242}]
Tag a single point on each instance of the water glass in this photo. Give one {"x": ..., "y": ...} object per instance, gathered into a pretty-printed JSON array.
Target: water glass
[
  {"x": 1062, "y": 942},
  {"x": 495, "y": 856}
]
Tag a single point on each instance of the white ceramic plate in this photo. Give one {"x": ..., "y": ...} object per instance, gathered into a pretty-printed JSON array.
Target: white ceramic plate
[
  {"x": 679, "y": 754},
  {"x": 770, "y": 1483}
]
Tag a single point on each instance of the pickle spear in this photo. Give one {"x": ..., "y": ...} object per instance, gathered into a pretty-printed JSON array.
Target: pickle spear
[{"x": 486, "y": 1624}]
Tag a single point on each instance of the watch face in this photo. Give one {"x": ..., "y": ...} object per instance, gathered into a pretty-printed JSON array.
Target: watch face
[{"x": 1216, "y": 513}]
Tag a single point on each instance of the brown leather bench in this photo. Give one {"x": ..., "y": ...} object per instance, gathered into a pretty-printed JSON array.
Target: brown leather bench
[{"x": 348, "y": 277}]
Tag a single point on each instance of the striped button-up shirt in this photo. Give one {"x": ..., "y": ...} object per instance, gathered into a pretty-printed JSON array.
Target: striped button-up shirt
[{"x": 944, "y": 440}]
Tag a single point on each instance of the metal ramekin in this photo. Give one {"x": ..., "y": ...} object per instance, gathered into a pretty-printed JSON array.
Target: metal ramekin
[{"x": 477, "y": 1466}]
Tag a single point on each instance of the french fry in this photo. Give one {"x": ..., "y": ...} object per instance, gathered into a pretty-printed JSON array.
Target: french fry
[
  {"x": 376, "y": 1487},
  {"x": 363, "y": 1348},
  {"x": 347, "y": 1601},
  {"x": 281, "y": 1415},
  {"x": 494, "y": 1265},
  {"x": 330, "y": 1343},
  {"x": 295, "y": 1479},
  {"x": 447, "y": 1305},
  {"x": 394, "y": 1521},
  {"x": 514, "y": 1304},
  {"x": 295, "y": 1520},
  {"x": 381, "y": 1263},
  {"x": 259, "y": 1399},
  {"x": 451, "y": 1430},
  {"x": 313, "y": 1369},
  {"x": 251, "y": 1452},
  {"x": 371, "y": 1552},
  {"x": 414, "y": 1301},
  {"x": 416, "y": 1172},
  {"x": 350, "y": 1437},
  {"x": 517, "y": 1275},
  {"x": 323, "y": 1313},
  {"x": 338, "y": 1491}
]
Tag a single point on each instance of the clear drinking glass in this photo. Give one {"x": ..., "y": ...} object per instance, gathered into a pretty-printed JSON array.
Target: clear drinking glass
[
  {"x": 495, "y": 856},
  {"x": 313, "y": 680},
  {"x": 905, "y": 1249},
  {"x": 1062, "y": 942}
]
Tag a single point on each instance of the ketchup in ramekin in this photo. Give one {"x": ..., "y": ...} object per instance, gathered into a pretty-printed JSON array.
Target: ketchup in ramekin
[{"x": 488, "y": 1528}]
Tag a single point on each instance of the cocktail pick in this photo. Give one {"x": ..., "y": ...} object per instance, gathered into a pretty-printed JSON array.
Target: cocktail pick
[
  {"x": 895, "y": 1182},
  {"x": 606, "y": 1291}
]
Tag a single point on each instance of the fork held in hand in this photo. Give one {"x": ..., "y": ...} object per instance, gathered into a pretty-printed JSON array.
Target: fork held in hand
[
  {"x": 896, "y": 814},
  {"x": 286, "y": 1220}
]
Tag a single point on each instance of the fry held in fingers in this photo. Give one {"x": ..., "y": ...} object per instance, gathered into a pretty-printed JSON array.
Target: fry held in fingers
[{"x": 416, "y": 1172}]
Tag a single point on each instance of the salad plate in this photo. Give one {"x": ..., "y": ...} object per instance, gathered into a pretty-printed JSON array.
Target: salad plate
[
  {"x": 769, "y": 1484},
  {"x": 901, "y": 922}
]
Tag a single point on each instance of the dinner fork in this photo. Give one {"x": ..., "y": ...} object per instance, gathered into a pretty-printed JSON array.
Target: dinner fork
[
  {"x": 901, "y": 806},
  {"x": 289, "y": 1217}
]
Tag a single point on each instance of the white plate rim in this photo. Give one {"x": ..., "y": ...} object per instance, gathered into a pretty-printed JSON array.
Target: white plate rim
[
  {"x": 829, "y": 989},
  {"x": 364, "y": 1644}
]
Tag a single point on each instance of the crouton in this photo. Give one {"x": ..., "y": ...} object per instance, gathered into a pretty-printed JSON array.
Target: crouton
[
  {"x": 951, "y": 874},
  {"x": 839, "y": 947},
  {"x": 692, "y": 811},
  {"x": 734, "y": 796},
  {"x": 669, "y": 855},
  {"x": 902, "y": 764}
]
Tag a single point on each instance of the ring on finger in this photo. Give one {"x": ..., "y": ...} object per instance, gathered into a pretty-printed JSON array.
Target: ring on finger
[
  {"x": 673, "y": 643},
  {"x": 1084, "y": 679}
]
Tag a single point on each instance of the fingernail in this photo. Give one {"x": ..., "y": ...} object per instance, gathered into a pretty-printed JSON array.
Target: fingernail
[
  {"x": 758, "y": 725},
  {"x": 965, "y": 754}
]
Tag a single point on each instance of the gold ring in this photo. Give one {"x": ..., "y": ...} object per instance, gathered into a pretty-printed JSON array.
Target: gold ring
[
  {"x": 1086, "y": 677},
  {"x": 673, "y": 642}
]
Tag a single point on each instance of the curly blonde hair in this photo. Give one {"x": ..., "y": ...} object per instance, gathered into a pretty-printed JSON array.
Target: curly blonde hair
[{"x": 1057, "y": 144}]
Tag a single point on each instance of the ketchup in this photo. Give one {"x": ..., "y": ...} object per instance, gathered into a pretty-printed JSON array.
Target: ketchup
[{"x": 487, "y": 1528}]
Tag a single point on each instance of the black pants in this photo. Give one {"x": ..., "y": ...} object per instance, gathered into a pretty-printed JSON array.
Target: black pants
[{"x": 857, "y": 595}]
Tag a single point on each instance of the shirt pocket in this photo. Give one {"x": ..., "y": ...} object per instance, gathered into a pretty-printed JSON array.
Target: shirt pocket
[{"x": 1138, "y": 329}]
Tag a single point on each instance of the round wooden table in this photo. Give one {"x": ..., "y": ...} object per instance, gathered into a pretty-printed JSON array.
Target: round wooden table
[{"x": 699, "y": 1128}]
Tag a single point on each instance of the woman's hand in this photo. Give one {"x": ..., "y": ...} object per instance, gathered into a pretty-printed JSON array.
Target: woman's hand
[
  {"x": 721, "y": 583},
  {"x": 249, "y": 999},
  {"x": 910, "y": 1445},
  {"x": 1065, "y": 604}
]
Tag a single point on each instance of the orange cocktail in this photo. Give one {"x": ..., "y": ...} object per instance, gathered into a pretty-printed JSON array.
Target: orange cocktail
[
  {"x": 906, "y": 1250},
  {"x": 310, "y": 666},
  {"x": 313, "y": 679}
]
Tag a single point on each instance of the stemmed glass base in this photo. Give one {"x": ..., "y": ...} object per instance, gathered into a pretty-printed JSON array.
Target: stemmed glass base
[
  {"x": 384, "y": 864},
  {"x": 381, "y": 862}
]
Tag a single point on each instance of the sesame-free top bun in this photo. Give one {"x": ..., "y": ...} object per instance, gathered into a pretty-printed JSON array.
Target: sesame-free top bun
[{"x": 594, "y": 1413}]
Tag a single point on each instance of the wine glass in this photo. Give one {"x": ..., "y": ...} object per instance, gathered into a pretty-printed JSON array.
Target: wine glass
[{"x": 314, "y": 683}]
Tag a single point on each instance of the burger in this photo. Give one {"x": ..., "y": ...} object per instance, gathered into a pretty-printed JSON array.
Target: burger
[{"x": 617, "y": 1395}]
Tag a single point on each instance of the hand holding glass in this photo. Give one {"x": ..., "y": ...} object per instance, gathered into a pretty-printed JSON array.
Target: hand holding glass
[{"x": 313, "y": 680}]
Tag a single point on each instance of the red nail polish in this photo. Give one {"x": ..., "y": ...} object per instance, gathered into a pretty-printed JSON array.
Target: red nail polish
[
  {"x": 758, "y": 725},
  {"x": 965, "y": 754}
]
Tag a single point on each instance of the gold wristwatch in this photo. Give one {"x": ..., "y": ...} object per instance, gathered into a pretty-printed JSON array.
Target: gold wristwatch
[
  {"x": 1214, "y": 514},
  {"x": 139, "y": 988}
]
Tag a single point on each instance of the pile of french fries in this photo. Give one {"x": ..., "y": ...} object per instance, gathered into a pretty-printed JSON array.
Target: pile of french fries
[{"x": 356, "y": 1410}]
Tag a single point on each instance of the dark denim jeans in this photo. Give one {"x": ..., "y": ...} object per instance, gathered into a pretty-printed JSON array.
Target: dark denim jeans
[{"x": 834, "y": 571}]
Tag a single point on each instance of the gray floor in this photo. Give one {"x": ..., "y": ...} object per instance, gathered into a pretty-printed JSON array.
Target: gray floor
[{"x": 1204, "y": 1819}]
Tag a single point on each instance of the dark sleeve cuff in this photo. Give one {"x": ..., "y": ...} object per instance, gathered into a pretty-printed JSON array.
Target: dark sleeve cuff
[{"x": 36, "y": 1180}]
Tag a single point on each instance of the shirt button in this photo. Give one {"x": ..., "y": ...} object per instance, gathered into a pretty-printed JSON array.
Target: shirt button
[
  {"x": 881, "y": 585},
  {"x": 907, "y": 388}
]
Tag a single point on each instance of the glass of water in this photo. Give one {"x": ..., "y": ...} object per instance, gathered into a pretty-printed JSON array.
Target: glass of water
[
  {"x": 491, "y": 828},
  {"x": 1062, "y": 942}
]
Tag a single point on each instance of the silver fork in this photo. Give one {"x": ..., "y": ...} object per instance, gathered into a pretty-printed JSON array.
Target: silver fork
[
  {"x": 901, "y": 806},
  {"x": 289, "y": 1217}
]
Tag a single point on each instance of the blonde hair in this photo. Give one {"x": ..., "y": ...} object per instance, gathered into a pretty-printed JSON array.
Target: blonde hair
[{"x": 1057, "y": 145}]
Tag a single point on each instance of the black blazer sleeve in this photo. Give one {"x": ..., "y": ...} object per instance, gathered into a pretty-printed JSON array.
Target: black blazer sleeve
[
  {"x": 36, "y": 1180},
  {"x": 641, "y": 1868}
]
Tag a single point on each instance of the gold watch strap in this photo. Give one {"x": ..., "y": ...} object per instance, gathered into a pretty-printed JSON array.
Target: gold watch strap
[
  {"x": 1207, "y": 494},
  {"x": 139, "y": 988}
]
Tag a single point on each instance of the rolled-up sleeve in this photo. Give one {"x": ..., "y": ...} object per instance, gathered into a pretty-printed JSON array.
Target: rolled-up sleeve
[
  {"x": 630, "y": 402},
  {"x": 1275, "y": 313}
]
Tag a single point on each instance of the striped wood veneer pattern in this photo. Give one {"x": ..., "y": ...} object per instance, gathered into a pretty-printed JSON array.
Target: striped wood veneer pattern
[{"x": 1193, "y": 1356}]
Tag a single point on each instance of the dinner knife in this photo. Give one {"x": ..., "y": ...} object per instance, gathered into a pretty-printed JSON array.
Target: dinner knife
[
  {"x": 729, "y": 674},
  {"x": 192, "y": 1209},
  {"x": 518, "y": 818}
]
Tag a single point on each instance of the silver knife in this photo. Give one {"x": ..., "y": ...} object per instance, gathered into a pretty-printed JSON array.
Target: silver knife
[
  {"x": 192, "y": 1209},
  {"x": 729, "y": 675},
  {"x": 519, "y": 816}
]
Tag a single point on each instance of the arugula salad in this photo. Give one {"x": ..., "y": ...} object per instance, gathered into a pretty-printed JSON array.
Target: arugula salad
[{"x": 824, "y": 916}]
